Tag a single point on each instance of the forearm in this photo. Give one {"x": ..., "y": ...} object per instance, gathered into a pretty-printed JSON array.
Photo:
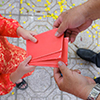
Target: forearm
[
  {"x": 15, "y": 76},
  {"x": 8, "y": 27},
  {"x": 93, "y": 9}
]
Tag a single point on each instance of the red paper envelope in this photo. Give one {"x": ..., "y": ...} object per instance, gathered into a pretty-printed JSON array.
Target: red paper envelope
[
  {"x": 54, "y": 62},
  {"x": 49, "y": 57},
  {"x": 47, "y": 44},
  {"x": 49, "y": 50}
]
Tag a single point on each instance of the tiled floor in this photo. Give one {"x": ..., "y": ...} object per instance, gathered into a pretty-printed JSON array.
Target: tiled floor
[{"x": 35, "y": 15}]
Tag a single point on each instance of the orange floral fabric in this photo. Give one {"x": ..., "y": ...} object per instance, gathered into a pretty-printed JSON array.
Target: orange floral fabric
[{"x": 10, "y": 55}]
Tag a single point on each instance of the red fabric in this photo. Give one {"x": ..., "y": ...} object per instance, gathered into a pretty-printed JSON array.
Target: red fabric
[{"x": 10, "y": 55}]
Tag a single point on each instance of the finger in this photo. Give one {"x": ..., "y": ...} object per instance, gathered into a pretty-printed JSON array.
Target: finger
[
  {"x": 73, "y": 36},
  {"x": 61, "y": 29},
  {"x": 76, "y": 70},
  {"x": 57, "y": 72},
  {"x": 26, "y": 61},
  {"x": 57, "y": 76},
  {"x": 68, "y": 33},
  {"x": 64, "y": 70},
  {"x": 30, "y": 68},
  {"x": 33, "y": 33},
  {"x": 33, "y": 39},
  {"x": 57, "y": 23}
]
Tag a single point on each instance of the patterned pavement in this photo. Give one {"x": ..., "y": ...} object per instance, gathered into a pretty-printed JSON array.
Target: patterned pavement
[{"x": 39, "y": 16}]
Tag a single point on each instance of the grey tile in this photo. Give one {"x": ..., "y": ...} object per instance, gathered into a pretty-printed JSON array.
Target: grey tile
[
  {"x": 67, "y": 96},
  {"x": 9, "y": 6},
  {"x": 10, "y": 96},
  {"x": 41, "y": 83}
]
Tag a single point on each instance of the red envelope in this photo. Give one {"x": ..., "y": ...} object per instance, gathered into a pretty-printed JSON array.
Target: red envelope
[
  {"x": 54, "y": 62},
  {"x": 49, "y": 50},
  {"x": 47, "y": 44},
  {"x": 49, "y": 57}
]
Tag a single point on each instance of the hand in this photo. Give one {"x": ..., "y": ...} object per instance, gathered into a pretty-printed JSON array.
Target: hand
[
  {"x": 24, "y": 67},
  {"x": 72, "y": 81},
  {"x": 27, "y": 35},
  {"x": 72, "y": 22}
]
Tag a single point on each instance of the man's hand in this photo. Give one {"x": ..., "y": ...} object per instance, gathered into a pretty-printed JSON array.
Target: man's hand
[
  {"x": 72, "y": 22},
  {"x": 72, "y": 81},
  {"x": 27, "y": 35}
]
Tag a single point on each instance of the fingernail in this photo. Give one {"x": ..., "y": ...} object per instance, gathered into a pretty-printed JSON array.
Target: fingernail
[
  {"x": 60, "y": 63},
  {"x": 30, "y": 56},
  {"x": 71, "y": 41},
  {"x": 35, "y": 40},
  {"x": 57, "y": 34}
]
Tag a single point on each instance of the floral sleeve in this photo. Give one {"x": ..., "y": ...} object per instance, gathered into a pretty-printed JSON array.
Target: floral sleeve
[{"x": 8, "y": 27}]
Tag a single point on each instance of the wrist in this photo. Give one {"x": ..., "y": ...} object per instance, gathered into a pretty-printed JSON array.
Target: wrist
[
  {"x": 15, "y": 76},
  {"x": 19, "y": 31},
  {"x": 86, "y": 91}
]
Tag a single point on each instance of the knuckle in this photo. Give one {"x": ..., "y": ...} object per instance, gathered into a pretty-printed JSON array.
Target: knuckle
[
  {"x": 62, "y": 68},
  {"x": 27, "y": 36}
]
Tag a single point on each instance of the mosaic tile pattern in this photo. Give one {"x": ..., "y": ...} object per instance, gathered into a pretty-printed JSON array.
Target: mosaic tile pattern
[{"x": 40, "y": 16}]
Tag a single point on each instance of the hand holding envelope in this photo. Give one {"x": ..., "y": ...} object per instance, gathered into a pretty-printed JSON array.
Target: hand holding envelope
[{"x": 49, "y": 50}]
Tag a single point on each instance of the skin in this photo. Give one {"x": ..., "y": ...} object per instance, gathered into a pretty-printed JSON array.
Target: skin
[
  {"x": 23, "y": 67},
  {"x": 26, "y": 35},
  {"x": 71, "y": 22},
  {"x": 73, "y": 80},
  {"x": 77, "y": 19}
]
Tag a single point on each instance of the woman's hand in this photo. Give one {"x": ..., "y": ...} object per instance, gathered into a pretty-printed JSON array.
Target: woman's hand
[
  {"x": 22, "y": 69},
  {"x": 27, "y": 35}
]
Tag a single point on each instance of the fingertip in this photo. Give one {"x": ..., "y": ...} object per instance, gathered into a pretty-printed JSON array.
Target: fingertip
[
  {"x": 57, "y": 34},
  {"x": 30, "y": 56},
  {"x": 72, "y": 40},
  {"x": 35, "y": 40},
  {"x": 60, "y": 63}
]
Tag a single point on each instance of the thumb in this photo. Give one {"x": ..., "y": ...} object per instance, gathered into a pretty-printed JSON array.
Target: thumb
[
  {"x": 64, "y": 70},
  {"x": 61, "y": 29},
  {"x": 26, "y": 61},
  {"x": 30, "y": 68}
]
